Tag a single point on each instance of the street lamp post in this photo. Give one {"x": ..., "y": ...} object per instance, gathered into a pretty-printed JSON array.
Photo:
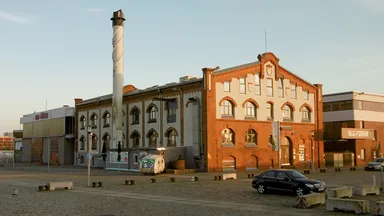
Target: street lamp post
[
  {"x": 313, "y": 151},
  {"x": 90, "y": 134}
]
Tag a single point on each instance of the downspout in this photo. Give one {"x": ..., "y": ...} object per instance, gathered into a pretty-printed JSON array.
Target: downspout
[{"x": 161, "y": 110}]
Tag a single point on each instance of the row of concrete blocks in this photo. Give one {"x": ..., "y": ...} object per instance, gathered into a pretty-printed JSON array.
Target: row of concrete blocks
[
  {"x": 338, "y": 199},
  {"x": 225, "y": 176},
  {"x": 337, "y": 169},
  {"x": 51, "y": 186},
  {"x": 153, "y": 180}
]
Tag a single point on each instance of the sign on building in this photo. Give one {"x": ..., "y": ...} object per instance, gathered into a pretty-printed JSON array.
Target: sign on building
[
  {"x": 113, "y": 158},
  {"x": 357, "y": 133}
]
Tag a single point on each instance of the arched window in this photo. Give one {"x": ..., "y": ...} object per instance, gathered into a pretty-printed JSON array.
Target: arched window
[
  {"x": 228, "y": 136},
  {"x": 287, "y": 112},
  {"x": 305, "y": 114},
  {"x": 135, "y": 136},
  {"x": 152, "y": 138},
  {"x": 250, "y": 110},
  {"x": 107, "y": 140},
  {"x": 227, "y": 108},
  {"x": 135, "y": 113},
  {"x": 82, "y": 143},
  {"x": 152, "y": 113},
  {"x": 106, "y": 119},
  {"x": 94, "y": 120},
  {"x": 82, "y": 122},
  {"x": 171, "y": 134},
  {"x": 251, "y": 137}
]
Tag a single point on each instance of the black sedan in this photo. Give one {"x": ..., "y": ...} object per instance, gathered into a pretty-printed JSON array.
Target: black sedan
[{"x": 285, "y": 180}]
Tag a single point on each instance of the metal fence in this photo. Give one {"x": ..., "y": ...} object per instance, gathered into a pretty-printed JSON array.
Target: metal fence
[{"x": 6, "y": 158}]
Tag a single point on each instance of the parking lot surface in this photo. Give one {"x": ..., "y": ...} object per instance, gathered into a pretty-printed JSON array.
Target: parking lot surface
[{"x": 182, "y": 197}]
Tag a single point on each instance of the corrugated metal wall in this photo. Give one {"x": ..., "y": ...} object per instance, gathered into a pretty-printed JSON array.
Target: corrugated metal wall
[{"x": 43, "y": 128}]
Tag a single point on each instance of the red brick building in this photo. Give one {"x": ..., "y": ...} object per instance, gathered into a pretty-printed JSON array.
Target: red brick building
[
  {"x": 6, "y": 143},
  {"x": 240, "y": 104}
]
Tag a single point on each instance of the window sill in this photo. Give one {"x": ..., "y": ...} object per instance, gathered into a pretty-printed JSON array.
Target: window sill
[
  {"x": 251, "y": 145},
  {"x": 250, "y": 118},
  {"x": 227, "y": 116},
  {"x": 106, "y": 126},
  {"x": 135, "y": 123},
  {"x": 269, "y": 119},
  {"x": 287, "y": 120},
  {"x": 227, "y": 145},
  {"x": 305, "y": 120},
  {"x": 82, "y": 128},
  {"x": 171, "y": 122},
  {"x": 152, "y": 121},
  {"x": 94, "y": 127}
]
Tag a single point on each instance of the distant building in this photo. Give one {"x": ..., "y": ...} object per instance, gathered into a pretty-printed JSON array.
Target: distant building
[
  {"x": 6, "y": 143},
  {"x": 8, "y": 134},
  {"x": 49, "y": 136},
  {"x": 353, "y": 127},
  {"x": 222, "y": 121}
]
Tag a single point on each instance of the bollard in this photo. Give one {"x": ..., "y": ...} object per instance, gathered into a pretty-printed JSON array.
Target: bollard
[
  {"x": 153, "y": 180},
  {"x": 216, "y": 178},
  {"x": 374, "y": 180},
  {"x": 219, "y": 177},
  {"x": 132, "y": 182},
  {"x": 172, "y": 179},
  {"x": 249, "y": 175},
  {"x": 41, "y": 188},
  {"x": 196, "y": 178},
  {"x": 100, "y": 184},
  {"x": 252, "y": 175},
  {"x": 15, "y": 191},
  {"x": 126, "y": 182},
  {"x": 94, "y": 184},
  {"x": 46, "y": 187}
]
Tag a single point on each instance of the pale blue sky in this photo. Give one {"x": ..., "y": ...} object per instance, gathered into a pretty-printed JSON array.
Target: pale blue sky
[{"x": 57, "y": 50}]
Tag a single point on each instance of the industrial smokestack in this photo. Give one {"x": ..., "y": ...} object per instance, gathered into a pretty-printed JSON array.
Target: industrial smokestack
[{"x": 118, "y": 77}]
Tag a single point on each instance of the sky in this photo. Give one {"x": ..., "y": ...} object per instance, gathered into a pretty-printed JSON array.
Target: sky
[{"x": 52, "y": 51}]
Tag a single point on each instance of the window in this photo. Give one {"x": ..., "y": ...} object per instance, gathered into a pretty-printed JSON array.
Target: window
[
  {"x": 227, "y": 108},
  {"x": 227, "y": 86},
  {"x": 362, "y": 156},
  {"x": 227, "y": 136},
  {"x": 293, "y": 91},
  {"x": 281, "y": 87},
  {"x": 251, "y": 137},
  {"x": 270, "y": 174},
  {"x": 269, "y": 111},
  {"x": 342, "y": 105},
  {"x": 257, "y": 84},
  {"x": 171, "y": 108},
  {"x": 135, "y": 136},
  {"x": 82, "y": 122},
  {"x": 152, "y": 138},
  {"x": 305, "y": 114},
  {"x": 250, "y": 110},
  {"x": 335, "y": 106},
  {"x": 359, "y": 105},
  {"x": 94, "y": 142},
  {"x": 136, "y": 158},
  {"x": 106, "y": 140},
  {"x": 306, "y": 95},
  {"x": 171, "y": 135},
  {"x": 94, "y": 120},
  {"x": 125, "y": 144},
  {"x": 287, "y": 112},
  {"x": 242, "y": 86},
  {"x": 348, "y": 105},
  {"x": 82, "y": 143},
  {"x": 135, "y": 113},
  {"x": 302, "y": 152},
  {"x": 270, "y": 87},
  {"x": 106, "y": 119},
  {"x": 152, "y": 113},
  {"x": 327, "y": 107},
  {"x": 82, "y": 159}
]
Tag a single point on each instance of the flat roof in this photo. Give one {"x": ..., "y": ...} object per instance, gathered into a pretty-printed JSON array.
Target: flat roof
[{"x": 352, "y": 92}]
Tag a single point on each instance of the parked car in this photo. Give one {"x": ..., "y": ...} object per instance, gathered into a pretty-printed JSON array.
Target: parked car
[
  {"x": 377, "y": 164},
  {"x": 286, "y": 180}
]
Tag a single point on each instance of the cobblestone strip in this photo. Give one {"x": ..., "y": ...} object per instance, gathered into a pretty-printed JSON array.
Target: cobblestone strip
[{"x": 204, "y": 203}]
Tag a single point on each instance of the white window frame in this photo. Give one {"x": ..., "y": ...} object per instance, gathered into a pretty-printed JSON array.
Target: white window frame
[
  {"x": 257, "y": 84},
  {"x": 269, "y": 91},
  {"x": 242, "y": 85},
  {"x": 281, "y": 87},
  {"x": 293, "y": 91},
  {"x": 227, "y": 86}
]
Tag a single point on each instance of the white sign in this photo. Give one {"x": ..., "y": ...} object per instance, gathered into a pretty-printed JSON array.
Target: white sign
[
  {"x": 113, "y": 158},
  {"x": 89, "y": 156},
  {"x": 358, "y": 133}
]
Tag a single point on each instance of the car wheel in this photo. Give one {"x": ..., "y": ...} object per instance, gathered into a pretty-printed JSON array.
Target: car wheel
[
  {"x": 300, "y": 191},
  {"x": 261, "y": 189}
]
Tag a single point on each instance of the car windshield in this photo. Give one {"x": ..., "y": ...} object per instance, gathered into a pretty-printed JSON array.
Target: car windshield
[
  {"x": 379, "y": 160},
  {"x": 295, "y": 175}
]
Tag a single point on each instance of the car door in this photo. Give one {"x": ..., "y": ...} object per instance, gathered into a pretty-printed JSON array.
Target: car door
[
  {"x": 269, "y": 179},
  {"x": 283, "y": 182}
]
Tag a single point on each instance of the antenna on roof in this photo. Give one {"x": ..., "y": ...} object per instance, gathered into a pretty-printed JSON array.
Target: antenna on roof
[{"x": 265, "y": 39}]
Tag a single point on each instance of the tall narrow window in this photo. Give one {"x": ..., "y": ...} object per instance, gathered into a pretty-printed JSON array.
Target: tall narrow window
[
  {"x": 171, "y": 118},
  {"x": 242, "y": 86},
  {"x": 281, "y": 87},
  {"x": 227, "y": 86},
  {"x": 270, "y": 87},
  {"x": 250, "y": 110},
  {"x": 227, "y": 108},
  {"x": 293, "y": 91},
  {"x": 269, "y": 111},
  {"x": 306, "y": 95},
  {"x": 257, "y": 84}
]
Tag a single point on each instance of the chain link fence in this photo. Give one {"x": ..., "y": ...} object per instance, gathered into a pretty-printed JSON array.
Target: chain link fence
[{"x": 6, "y": 158}]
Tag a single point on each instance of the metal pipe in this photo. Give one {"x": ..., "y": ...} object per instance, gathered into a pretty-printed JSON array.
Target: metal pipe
[{"x": 313, "y": 152}]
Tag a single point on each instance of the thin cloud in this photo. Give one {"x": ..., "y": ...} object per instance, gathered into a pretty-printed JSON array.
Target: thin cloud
[
  {"x": 95, "y": 10},
  {"x": 13, "y": 18}
]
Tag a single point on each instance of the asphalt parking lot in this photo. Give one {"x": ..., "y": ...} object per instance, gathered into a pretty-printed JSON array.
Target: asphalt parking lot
[{"x": 182, "y": 197}]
